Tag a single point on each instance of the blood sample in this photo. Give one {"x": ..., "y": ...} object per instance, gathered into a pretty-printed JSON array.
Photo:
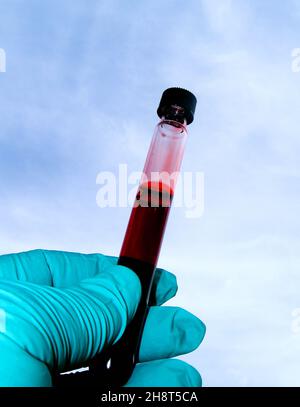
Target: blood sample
[
  {"x": 147, "y": 223},
  {"x": 145, "y": 231}
]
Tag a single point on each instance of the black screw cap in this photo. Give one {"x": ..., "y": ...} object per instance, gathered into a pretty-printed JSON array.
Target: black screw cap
[{"x": 181, "y": 98}]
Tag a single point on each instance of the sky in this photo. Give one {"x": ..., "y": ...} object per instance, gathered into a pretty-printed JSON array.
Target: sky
[{"x": 79, "y": 96}]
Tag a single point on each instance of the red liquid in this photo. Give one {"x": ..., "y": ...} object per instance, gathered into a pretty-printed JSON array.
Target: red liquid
[
  {"x": 147, "y": 223},
  {"x": 140, "y": 253}
]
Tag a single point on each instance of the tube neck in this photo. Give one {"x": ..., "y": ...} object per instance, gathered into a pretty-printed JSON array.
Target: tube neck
[{"x": 175, "y": 113}]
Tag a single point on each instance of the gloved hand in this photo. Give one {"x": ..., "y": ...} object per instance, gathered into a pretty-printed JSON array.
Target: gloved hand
[{"x": 58, "y": 310}]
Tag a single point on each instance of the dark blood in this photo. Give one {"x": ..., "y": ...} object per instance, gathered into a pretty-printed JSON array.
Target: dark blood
[
  {"x": 147, "y": 223},
  {"x": 140, "y": 253}
]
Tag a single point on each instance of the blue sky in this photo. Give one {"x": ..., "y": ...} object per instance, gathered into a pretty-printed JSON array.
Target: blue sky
[{"x": 79, "y": 96}]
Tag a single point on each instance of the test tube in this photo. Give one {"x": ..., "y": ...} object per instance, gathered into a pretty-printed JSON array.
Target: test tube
[
  {"x": 144, "y": 235},
  {"x": 147, "y": 223}
]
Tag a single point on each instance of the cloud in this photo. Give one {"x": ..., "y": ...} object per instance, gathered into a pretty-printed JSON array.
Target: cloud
[{"x": 79, "y": 96}]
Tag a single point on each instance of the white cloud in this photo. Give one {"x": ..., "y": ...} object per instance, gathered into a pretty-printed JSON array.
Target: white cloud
[{"x": 239, "y": 264}]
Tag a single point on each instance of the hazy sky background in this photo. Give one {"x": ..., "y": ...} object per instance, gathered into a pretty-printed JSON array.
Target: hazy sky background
[{"x": 80, "y": 95}]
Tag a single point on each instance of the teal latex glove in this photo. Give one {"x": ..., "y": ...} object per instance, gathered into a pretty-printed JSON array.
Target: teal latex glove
[{"x": 58, "y": 310}]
